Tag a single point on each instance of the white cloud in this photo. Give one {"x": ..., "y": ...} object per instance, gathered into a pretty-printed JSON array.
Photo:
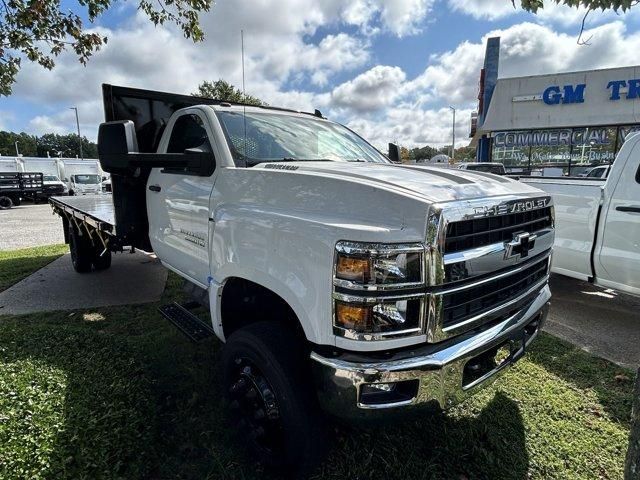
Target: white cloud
[
  {"x": 64, "y": 122},
  {"x": 369, "y": 91},
  {"x": 488, "y": 9},
  {"x": 414, "y": 127},
  {"x": 552, "y": 12},
  {"x": 283, "y": 64},
  {"x": 402, "y": 16},
  {"x": 416, "y": 110}
]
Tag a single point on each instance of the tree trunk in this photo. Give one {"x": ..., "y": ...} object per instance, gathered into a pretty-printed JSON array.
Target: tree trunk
[{"x": 632, "y": 465}]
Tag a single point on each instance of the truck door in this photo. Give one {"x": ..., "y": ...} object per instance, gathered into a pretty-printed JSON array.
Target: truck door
[
  {"x": 619, "y": 249},
  {"x": 178, "y": 200}
]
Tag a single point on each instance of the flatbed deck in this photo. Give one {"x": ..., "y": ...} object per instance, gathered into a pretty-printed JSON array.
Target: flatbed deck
[{"x": 95, "y": 210}]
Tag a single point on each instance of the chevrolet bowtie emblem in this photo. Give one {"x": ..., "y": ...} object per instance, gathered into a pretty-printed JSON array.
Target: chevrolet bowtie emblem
[{"x": 520, "y": 245}]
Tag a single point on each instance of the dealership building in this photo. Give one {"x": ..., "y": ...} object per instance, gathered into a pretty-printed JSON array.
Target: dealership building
[{"x": 554, "y": 124}]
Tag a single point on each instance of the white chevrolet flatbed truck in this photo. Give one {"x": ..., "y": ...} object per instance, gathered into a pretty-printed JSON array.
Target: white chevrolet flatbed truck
[
  {"x": 339, "y": 282},
  {"x": 598, "y": 223}
]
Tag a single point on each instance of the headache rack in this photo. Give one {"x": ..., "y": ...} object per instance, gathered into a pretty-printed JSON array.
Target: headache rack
[{"x": 20, "y": 182}]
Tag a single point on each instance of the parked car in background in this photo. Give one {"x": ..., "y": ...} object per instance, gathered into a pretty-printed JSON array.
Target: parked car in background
[
  {"x": 52, "y": 185},
  {"x": 601, "y": 171},
  {"x": 598, "y": 222},
  {"x": 487, "y": 167}
]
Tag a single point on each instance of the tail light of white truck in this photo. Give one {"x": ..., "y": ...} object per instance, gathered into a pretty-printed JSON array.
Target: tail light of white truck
[{"x": 376, "y": 290}]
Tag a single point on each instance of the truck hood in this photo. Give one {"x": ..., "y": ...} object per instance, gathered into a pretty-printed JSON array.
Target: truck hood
[{"x": 430, "y": 184}]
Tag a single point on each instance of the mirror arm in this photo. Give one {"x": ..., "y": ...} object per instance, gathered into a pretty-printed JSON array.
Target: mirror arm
[{"x": 195, "y": 162}]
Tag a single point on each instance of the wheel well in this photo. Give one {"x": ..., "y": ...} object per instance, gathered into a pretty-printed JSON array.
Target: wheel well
[{"x": 244, "y": 302}]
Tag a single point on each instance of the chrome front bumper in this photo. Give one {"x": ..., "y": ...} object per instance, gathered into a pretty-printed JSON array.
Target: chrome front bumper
[{"x": 441, "y": 373}]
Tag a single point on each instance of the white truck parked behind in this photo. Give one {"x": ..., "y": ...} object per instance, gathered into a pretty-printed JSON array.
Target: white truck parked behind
[
  {"x": 598, "y": 222},
  {"x": 83, "y": 177},
  {"x": 9, "y": 164},
  {"x": 339, "y": 281}
]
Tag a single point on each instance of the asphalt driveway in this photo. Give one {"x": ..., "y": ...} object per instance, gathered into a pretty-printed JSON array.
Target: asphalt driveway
[{"x": 603, "y": 322}]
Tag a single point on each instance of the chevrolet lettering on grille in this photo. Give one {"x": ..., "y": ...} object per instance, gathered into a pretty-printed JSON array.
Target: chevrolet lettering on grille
[{"x": 513, "y": 207}]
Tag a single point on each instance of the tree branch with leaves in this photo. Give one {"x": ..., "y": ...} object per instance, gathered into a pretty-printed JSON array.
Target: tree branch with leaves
[
  {"x": 38, "y": 30},
  {"x": 223, "y": 90},
  {"x": 590, "y": 5}
]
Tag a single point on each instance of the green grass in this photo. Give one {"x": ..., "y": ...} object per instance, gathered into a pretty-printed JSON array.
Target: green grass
[
  {"x": 18, "y": 264},
  {"x": 118, "y": 393}
]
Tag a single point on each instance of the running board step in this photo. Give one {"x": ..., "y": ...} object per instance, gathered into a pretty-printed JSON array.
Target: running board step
[{"x": 186, "y": 322}]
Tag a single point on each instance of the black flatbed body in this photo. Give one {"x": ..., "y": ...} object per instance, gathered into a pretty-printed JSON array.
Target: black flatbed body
[{"x": 95, "y": 210}]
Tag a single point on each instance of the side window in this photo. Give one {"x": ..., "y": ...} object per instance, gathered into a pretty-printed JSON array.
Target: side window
[{"x": 188, "y": 132}]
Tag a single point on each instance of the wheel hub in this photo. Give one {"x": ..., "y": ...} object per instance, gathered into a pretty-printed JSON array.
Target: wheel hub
[{"x": 255, "y": 404}]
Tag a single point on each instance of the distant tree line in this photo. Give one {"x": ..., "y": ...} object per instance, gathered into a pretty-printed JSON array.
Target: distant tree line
[
  {"x": 422, "y": 154},
  {"x": 38, "y": 146}
]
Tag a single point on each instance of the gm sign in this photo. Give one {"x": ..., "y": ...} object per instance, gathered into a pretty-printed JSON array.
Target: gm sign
[
  {"x": 555, "y": 95},
  {"x": 568, "y": 94}
]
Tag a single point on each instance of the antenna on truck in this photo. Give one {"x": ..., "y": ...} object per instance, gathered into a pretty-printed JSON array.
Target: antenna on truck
[{"x": 244, "y": 99}]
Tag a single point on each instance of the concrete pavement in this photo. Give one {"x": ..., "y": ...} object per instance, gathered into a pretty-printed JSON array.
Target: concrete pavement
[
  {"x": 29, "y": 226},
  {"x": 132, "y": 278},
  {"x": 602, "y": 322}
]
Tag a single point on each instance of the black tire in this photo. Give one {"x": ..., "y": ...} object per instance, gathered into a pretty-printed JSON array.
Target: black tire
[
  {"x": 81, "y": 251},
  {"x": 5, "y": 203},
  {"x": 101, "y": 262},
  {"x": 16, "y": 201},
  {"x": 271, "y": 398},
  {"x": 71, "y": 193}
]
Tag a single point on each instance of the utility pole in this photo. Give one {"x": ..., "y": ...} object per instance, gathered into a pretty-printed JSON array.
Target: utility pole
[
  {"x": 17, "y": 151},
  {"x": 453, "y": 135},
  {"x": 78, "y": 125}
]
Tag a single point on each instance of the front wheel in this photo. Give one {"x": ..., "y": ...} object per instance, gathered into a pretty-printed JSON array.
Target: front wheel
[
  {"x": 271, "y": 399},
  {"x": 5, "y": 203}
]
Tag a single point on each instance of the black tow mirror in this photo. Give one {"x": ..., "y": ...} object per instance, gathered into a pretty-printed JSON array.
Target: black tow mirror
[
  {"x": 394, "y": 153},
  {"x": 118, "y": 153}
]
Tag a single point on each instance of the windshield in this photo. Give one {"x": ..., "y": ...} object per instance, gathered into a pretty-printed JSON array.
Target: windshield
[
  {"x": 50, "y": 178},
  {"x": 276, "y": 137},
  {"x": 86, "y": 179}
]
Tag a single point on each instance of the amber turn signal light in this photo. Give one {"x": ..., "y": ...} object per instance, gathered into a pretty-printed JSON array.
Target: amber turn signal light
[
  {"x": 353, "y": 317},
  {"x": 353, "y": 269}
]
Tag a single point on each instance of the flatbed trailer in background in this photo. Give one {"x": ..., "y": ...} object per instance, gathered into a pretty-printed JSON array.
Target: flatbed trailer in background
[
  {"x": 14, "y": 186},
  {"x": 89, "y": 229}
]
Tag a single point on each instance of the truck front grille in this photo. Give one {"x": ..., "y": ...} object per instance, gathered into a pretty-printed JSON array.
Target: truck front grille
[
  {"x": 486, "y": 267},
  {"x": 467, "y": 303},
  {"x": 478, "y": 232}
]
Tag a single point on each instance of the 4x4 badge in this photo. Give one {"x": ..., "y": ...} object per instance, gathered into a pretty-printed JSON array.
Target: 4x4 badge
[{"x": 520, "y": 245}]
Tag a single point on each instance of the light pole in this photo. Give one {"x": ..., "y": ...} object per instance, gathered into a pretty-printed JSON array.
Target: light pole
[
  {"x": 453, "y": 135},
  {"x": 17, "y": 151},
  {"x": 78, "y": 125}
]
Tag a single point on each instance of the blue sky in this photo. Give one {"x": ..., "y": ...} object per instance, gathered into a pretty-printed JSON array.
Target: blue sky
[{"x": 389, "y": 69}]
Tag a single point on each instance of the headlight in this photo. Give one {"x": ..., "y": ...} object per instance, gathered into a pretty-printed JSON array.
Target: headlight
[
  {"x": 379, "y": 267},
  {"x": 386, "y": 268}
]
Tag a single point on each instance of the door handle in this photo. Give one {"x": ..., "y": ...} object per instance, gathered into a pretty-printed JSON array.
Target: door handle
[
  {"x": 629, "y": 208},
  {"x": 155, "y": 188}
]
